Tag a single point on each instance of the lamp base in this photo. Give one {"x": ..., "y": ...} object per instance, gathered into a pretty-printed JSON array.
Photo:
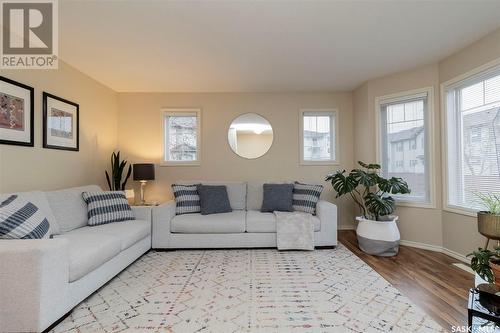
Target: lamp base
[{"x": 143, "y": 189}]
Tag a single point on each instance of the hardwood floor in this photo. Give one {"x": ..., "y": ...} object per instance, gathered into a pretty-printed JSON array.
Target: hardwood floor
[{"x": 428, "y": 278}]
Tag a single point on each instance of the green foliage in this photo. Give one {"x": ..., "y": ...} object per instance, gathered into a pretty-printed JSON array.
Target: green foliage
[
  {"x": 368, "y": 189},
  {"x": 117, "y": 167},
  {"x": 490, "y": 201},
  {"x": 480, "y": 263}
]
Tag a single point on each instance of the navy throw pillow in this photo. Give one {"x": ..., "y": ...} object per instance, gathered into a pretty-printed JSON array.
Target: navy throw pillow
[
  {"x": 213, "y": 199},
  {"x": 277, "y": 197}
]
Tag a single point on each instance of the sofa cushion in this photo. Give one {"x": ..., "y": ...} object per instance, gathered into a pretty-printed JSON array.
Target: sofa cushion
[
  {"x": 213, "y": 199},
  {"x": 224, "y": 223},
  {"x": 39, "y": 199},
  {"x": 21, "y": 219},
  {"x": 236, "y": 191},
  {"x": 88, "y": 251},
  {"x": 107, "y": 207},
  {"x": 187, "y": 199},
  {"x": 277, "y": 197},
  {"x": 255, "y": 193},
  {"x": 306, "y": 197},
  {"x": 266, "y": 222},
  {"x": 69, "y": 208},
  {"x": 128, "y": 232}
]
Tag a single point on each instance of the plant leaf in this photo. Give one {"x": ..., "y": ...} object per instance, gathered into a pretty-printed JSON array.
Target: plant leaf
[
  {"x": 127, "y": 177},
  {"x": 379, "y": 205},
  {"x": 109, "y": 182},
  {"x": 372, "y": 166},
  {"x": 364, "y": 178},
  {"x": 342, "y": 184},
  {"x": 393, "y": 185}
]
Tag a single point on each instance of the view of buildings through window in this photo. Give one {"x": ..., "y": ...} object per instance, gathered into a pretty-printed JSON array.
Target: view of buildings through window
[
  {"x": 474, "y": 164},
  {"x": 317, "y": 136},
  {"x": 403, "y": 144},
  {"x": 181, "y": 138}
]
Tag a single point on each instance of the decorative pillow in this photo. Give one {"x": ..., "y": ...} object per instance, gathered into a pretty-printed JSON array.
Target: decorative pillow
[
  {"x": 187, "y": 199},
  {"x": 277, "y": 197},
  {"x": 107, "y": 207},
  {"x": 305, "y": 197},
  {"x": 214, "y": 199},
  {"x": 21, "y": 219}
]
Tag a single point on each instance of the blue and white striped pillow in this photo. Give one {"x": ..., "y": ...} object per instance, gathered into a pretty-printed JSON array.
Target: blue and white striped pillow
[
  {"x": 187, "y": 199},
  {"x": 305, "y": 197},
  {"x": 107, "y": 207},
  {"x": 21, "y": 219}
]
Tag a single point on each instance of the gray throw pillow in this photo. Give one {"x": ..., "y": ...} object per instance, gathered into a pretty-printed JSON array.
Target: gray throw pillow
[
  {"x": 213, "y": 199},
  {"x": 277, "y": 197}
]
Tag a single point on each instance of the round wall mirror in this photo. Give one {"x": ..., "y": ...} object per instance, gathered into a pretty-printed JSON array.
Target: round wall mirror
[{"x": 250, "y": 135}]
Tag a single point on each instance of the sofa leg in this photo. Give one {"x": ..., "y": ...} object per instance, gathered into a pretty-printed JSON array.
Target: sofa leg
[
  {"x": 327, "y": 247},
  {"x": 57, "y": 322}
]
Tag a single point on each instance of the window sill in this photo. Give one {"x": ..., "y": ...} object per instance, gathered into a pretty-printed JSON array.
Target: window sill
[
  {"x": 460, "y": 211},
  {"x": 312, "y": 163},
  {"x": 176, "y": 164},
  {"x": 425, "y": 205}
]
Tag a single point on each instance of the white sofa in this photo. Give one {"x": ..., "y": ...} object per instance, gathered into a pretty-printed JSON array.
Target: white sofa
[
  {"x": 43, "y": 279},
  {"x": 245, "y": 227}
]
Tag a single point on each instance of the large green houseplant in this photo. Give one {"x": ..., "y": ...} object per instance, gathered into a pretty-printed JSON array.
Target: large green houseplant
[
  {"x": 377, "y": 230},
  {"x": 370, "y": 191}
]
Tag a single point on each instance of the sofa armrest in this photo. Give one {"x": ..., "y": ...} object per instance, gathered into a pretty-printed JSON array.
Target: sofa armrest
[
  {"x": 142, "y": 212},
  {"x": 327, "y": 214},
  {"x": 162, "y": 215},
  {"x": 34, "y": 275}
]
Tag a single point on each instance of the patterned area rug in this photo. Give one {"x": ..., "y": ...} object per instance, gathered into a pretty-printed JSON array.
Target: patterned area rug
[{"x": 258, "y": 290}]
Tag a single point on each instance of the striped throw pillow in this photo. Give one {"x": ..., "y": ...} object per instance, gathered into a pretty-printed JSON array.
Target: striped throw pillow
[
  {"x": 107, "y": 207},
  {"x": 21, "y": 219},
  {"x": 305, "y": 197},
  {"x": 187, "y": 199}
]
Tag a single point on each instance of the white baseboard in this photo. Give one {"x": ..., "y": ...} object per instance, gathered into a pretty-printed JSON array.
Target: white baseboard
[
  {"x": 435, "y": 248},
  {"x": 346, "y": 227}
]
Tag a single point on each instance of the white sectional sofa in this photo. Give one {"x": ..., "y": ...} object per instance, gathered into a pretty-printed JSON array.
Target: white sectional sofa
[
  {"x": 42, "y": 279},
  {"x": 246, "y": 226}
]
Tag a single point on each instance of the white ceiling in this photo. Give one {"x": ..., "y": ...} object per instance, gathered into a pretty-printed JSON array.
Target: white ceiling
[{"x": 260, "y": 46}]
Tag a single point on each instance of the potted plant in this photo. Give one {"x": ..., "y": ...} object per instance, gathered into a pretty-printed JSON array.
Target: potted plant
[
  {"x": 117, "y": 167},
  {"x": 377, "y": 230},
  {"x": 486, "y": 264},
  {"x": 488, "y": 221}
]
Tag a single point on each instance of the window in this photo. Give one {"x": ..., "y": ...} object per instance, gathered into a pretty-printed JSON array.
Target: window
[
  {"x": 318, "y": 136},
  {"x": 472, "y": 139},
  {"x": 403, "y": 122},
  {"x": 181, "y": 136}
]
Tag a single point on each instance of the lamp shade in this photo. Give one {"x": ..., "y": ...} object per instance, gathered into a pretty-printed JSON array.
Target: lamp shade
[{"x": 144, "y": 171}]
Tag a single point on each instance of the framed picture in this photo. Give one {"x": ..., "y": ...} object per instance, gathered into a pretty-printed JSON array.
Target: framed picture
[
  {"x": 16, "y": 113},
  {"x": 60, "y": 123}
]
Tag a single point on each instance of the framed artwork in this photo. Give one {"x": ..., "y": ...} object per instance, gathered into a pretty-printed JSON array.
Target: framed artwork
[
  {"x": 16, "y": 113},
  {"x": 60, "y": 123}
]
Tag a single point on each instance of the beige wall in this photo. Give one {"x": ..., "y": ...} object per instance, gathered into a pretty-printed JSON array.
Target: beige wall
[
  {"x": 439, "y": 227},
  {"x": 416, "y": 224},
  {"x": 252, "y": 145},
  {"x": 140, "y": 137},
  {"x": 29, "y": 168},
  {"x": 460, "y": 231}
]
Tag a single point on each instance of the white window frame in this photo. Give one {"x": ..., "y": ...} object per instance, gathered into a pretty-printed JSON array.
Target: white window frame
[
  {"x": 451, "y": 84},
  {"x": 179, "y": 112},
  {"x": 334, "y": 117},
  {"x": 429, "y": 123}
]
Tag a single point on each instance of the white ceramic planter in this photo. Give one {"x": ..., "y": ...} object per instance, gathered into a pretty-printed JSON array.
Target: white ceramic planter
[{"x": 379, "y": 238}]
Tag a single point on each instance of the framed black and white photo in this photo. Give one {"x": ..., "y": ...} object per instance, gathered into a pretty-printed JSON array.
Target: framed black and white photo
[
  {"x": 16, "y": 113},
  {"x": 60, "y": 123}
]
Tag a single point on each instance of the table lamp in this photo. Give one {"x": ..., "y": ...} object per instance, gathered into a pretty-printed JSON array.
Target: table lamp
[{"x": 142, "y": 173}]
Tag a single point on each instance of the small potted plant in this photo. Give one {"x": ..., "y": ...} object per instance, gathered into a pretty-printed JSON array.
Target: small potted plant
[
  {"x": 486, "y": 264},
  {"x": 488, "y": 221},
  {"x": 377, "y": 231}
]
